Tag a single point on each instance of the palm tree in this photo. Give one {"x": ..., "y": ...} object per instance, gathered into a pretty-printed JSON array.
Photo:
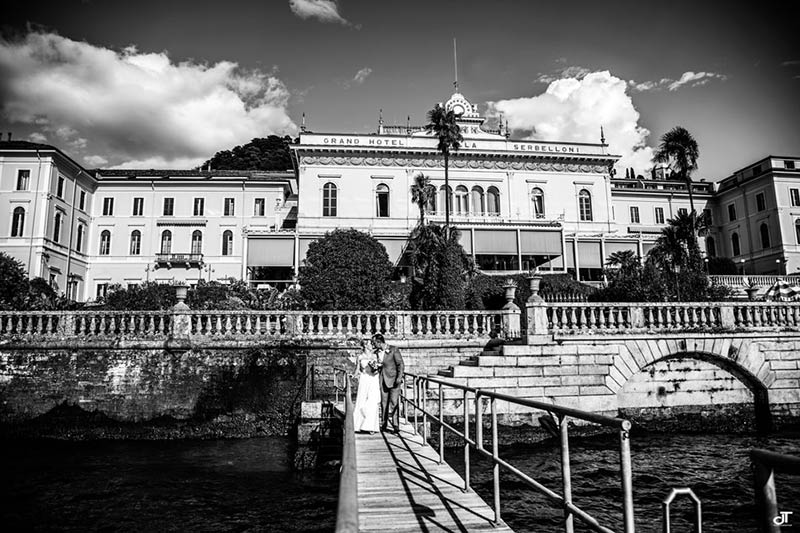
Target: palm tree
[
  {"x": 422, "y": 192},
  {"x": 679, "y": 148},
  {"x": 443, "y": 125}
]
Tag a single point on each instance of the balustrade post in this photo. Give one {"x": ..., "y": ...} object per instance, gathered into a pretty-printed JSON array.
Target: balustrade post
[
  {"x": 66, "y": 324},
  {"x": 181, "y": 320},
  {"x": 726, "y": 316},
  {"x": 406, "y": 329},
  {"x": 636, "y": 314},
  {"x": 511, "y": 311}
]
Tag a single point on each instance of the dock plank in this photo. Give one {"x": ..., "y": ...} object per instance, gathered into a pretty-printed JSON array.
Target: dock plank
[{"x": 403, "y": 488}]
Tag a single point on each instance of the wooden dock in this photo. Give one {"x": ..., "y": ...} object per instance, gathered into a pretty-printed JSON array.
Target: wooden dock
[{"x": 402, "y": 487}]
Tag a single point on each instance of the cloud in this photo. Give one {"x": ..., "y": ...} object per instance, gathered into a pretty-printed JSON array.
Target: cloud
[
  {"x": 37, "y": 137},
  {"x": 133, "y": 107},
  {"x": 791, "y": 63},
  {"x": 96, "y": 161},
  {"x": 567, "y": 72},
  {"x": 573, "y": 109},
  {"x": 362, "y": 75},
  {"x": 322, "y": 10},
  {"x": 687, "y": 79}
]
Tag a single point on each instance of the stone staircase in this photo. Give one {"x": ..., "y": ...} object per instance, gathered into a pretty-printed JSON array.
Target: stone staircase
[{"x": 546, "y": 372}]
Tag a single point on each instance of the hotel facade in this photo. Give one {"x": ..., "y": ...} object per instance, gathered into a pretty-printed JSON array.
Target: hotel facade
[{"x": 518, "y": 204}]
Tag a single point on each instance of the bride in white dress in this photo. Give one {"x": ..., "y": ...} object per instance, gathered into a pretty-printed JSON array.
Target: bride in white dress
[{"x": 366, "y": 413}]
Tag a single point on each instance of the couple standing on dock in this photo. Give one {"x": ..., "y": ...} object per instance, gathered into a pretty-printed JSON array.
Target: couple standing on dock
[{"x": 380, "y": 376}]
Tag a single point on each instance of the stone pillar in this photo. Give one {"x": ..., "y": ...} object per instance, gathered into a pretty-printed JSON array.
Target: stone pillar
[
  {"x": 181, "y": 321},
  {"x": 66, "y": 324},
  {"x": 636, "y": 317},
  {"x": 536, "y": 310},
  {"x": 511, "y": 312},
  {"x": 726, "y": 316}
]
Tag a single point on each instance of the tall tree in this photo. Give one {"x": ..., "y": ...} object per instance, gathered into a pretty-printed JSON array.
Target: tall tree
[
  {"x": 679, "y": 149},
  {"x": 442, "y": 124},
  {"x": 270, "y": 153},
  {"x": 422, "y": 192}
]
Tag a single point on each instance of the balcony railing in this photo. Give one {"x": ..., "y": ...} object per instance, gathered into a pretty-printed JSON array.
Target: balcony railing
[{"x": 185, "y": 260}]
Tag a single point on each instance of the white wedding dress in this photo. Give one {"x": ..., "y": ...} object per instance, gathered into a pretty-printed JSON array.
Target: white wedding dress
[{"x": 366, "y": 413}]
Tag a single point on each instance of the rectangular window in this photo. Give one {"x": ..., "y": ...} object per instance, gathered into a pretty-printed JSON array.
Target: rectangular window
[
  {"x": 54, "y": 280},
  {"x": 659, "y": 215},
  {"x": 707, "y": 217},
  {"x": 795, "y": 194},
  {"x": 108, "y": 207},
  {"x": 23, "y": 179},
  {"x": 731, "y": 212},
  {"x": 138, "y": 207},
  {"x": 60, "y": 188},
  {"x": 761, "y": 203},
  {"x": 102, "y": 290},
  {"x": 169, "y": 207},
  {"x": 229, "y": 207},
  {"x": 258, "y": 207},
  {"x": 789, "y": 165},
  {"x": 82, "y": 201},
  {"x": 683, "y": 211},
  {"x": 634, "y": 214},
  {"x": 199, "y": 206},
  {"x": 72, "y": 289}
]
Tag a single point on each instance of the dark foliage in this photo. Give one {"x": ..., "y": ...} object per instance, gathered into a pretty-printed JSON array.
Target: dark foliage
[
  {"x": 487, "y": 292},
  {"x": 440, "y": 267},
  {"x": 13, "y": 283},
  {"x": 147, "y": 296},
  {"x": 345, "y": 270},
  {"x": 271, "y": 153}
]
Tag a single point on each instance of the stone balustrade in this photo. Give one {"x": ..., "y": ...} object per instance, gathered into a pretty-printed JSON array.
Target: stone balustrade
[
  {"x": 543, "y": 318},
  {"x": 256, "y": 324},
  {"x": 763, "y": 281}
]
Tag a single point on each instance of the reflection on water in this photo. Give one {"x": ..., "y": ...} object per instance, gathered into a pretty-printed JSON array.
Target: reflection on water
[
  {"x": 716, "y": 467},
  {"x": 231, "y": 485}
]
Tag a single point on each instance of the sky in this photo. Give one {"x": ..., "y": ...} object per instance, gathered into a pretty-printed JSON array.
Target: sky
[{"x": 167, "y": 83}]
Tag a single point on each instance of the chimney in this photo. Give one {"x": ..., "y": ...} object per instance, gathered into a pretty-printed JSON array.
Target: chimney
[{"x": 9, "y": 135}]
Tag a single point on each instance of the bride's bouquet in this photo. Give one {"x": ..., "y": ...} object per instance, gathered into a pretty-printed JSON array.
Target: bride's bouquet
[{"x": 375, "y": 366}]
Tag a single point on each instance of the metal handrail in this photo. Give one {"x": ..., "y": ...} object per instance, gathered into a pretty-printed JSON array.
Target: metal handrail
[
  {"x": 418, "y": 400},
  {"x": 698, "y": 508},
  {"x": 766, "y": 463},
  {"x": 347, "y": 510}
]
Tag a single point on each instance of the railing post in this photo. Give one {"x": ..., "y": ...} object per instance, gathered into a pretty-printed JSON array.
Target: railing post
[
  {"x": 424, "y": 391},
  {"x": 466, "y": 442},
  {"x": 181, "y": 320},
  {"x": 766, "y": 498},
  {"x": 726, "y": 316},
  {"x": 441, "y": 426},
  {"x": 495, "y": 466},
  {"x": 627, "y": 476},
  {"x": 478, "y": 421},
  {"x": 415, "y": 390},
  {"x": 566, "y": 475},
  {"x": 636, "y": 317}
]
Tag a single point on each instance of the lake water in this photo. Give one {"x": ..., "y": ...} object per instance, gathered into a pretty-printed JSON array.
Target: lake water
[
  {"x": 716, "y": 466},
  {"x": 248, "y": 485},
  {"x": 222, "y": 485}
]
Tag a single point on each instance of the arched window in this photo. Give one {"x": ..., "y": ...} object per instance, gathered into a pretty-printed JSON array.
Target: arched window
[
  {"x": 136, "y": 242},
  {"x": 462, "y": 201},
  {"x": 585, "y": 205},
  {"x": 764, "y": 230},
  {"x": 57, "y": 227},
  {"x": 493, "y": 201},
  {"x": 441, "y": 201},
  {"x": 329, "y": 200},
  {"x": 382, "y": 200},
  {"x": 735, "y": 244},
  {"x": 197, "y": 242},
  {"x": 79, "y": 240},
  {"x": 478, "y": 201},
  {"x": 166, "y": 242},
  {"x": 537, "y": 197},
  {"x": 711, "y": 248},
  {"x": 227, "y": 242},
  {"x": 18, "y": 222},
  {"x": 105, "y": 242}
]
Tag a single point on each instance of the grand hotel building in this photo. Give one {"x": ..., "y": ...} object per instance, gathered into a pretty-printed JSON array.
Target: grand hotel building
[{"x": 518, "y": 204}]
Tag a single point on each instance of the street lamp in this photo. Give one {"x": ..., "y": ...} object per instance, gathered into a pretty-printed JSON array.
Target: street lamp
[
  {"x": 705, "y": 262},
  {"x": 742, "y": 263}
]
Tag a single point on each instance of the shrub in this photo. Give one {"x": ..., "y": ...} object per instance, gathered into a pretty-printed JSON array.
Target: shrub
[
  {"x": 345, "y": 270},
  {"x": 440, "y": 266}
]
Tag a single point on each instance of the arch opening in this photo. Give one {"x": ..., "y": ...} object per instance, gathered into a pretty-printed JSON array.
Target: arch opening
[{"x": 696, "y": 388}]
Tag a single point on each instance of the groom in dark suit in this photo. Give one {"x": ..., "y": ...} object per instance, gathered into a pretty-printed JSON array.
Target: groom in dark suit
[{"x": 391, "y": 380}]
